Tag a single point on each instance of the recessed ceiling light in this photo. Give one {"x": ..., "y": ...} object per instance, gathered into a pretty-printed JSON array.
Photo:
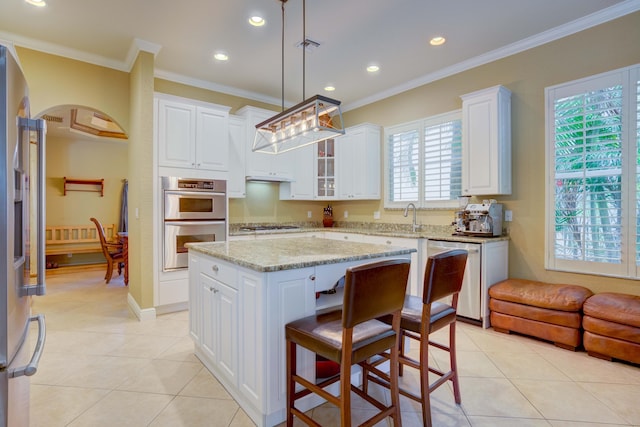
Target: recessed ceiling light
[
  {"x": 373, "y": 68},
  {"x": 38, "y": 3},
  {"x": 221, "y": 56},
  {"x": 437, "y": 41},
  {"x": 329, "y": 88},
  {"x": 257, "y": 21}
]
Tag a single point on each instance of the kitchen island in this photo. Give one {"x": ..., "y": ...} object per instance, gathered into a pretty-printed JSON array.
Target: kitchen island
[{"x": 242, "y": 293}]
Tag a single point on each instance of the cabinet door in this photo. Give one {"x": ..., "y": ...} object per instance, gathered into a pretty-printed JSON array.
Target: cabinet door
[
  {"x": 486, "y": 142},
  {"x": 227, "y": 331},
  {"x": 236, "y": 185},
  {"x": 208, "y": 310},
  {"x": 325, "y": 169},
  {"x": 261, "y": 165},
  {"x": 212, "y": 139},
  {"x": 219, "y": 309},
  {"x": 176, "y": 134},
  {"x": 301, "y": 188},
  {"x": 358, "y": 163},
  {"x": 195, "y": 315}
]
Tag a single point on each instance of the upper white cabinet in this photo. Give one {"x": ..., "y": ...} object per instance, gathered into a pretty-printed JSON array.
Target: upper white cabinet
[
  {"x": 301, "y": 161},
  {"x": 261, "y": 166},
  {"x": 192, "y": 134},
  {"x": 358, "y": 163},
  {"x": 236, "y": 184},
  {"x": 486, "y": 142}
]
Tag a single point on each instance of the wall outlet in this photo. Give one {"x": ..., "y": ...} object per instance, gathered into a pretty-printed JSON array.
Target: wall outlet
[
  {"x": 309, "y": 214},
  {"x": 346, "y": 214},
  {"x": 508, "y": 215},
  {"x": 376, "y": 215}
]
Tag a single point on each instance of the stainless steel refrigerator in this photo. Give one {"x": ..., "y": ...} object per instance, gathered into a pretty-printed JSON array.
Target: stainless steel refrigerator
[{"x": 22, "y": 175}]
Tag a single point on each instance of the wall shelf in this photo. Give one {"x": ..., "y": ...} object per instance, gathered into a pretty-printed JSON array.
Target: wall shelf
[{"x": 92, "y": 185}]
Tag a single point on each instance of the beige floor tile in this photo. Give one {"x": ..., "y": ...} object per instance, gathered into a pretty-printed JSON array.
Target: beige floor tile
[
  {"x": 479, "y": 421},
  {"x": 161, "y": 376},
  {"x": 103, "y": 367},
  {"x": 181, "y": 350},
  {"x": 623, "y": 399},
  {"x": 204, "y": 384},
  {"x": 53, "y": 406},
  {"x": 241, "y": 419},
  {"x": 526, "y": 365},
  {"x": 144, "y": 346},
  {"x": 562, "y": 400},
  {"x": 123, "y": 409},
  {"x": 186, "y": 411},
  {"x": 496, "y": 397},
  {"x": 414, "y": 419}
]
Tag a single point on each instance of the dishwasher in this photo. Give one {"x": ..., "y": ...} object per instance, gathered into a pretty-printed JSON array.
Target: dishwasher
[{"x": 469, "y": 299}]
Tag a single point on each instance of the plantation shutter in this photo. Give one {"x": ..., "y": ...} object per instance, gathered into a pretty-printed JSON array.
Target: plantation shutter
[
  {"x": 443, "y": 161},
  {"x": 404, "y": 166},
  {"x": 593, "y": 185}
]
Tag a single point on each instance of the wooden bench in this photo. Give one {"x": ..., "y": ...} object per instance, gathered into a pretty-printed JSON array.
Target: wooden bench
[{"x": 76, "y": 239}]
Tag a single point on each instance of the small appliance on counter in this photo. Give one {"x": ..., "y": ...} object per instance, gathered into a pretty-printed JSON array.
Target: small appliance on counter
[{"x": 479, "y": 219}]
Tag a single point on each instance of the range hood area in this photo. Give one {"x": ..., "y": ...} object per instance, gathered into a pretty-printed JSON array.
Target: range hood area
[{"x": 268, "y": 178}]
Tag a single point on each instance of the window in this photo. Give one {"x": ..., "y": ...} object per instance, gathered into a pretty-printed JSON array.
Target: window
[
  {"x": 593, "y": 164},
  {"x": 424, "y": 162}
]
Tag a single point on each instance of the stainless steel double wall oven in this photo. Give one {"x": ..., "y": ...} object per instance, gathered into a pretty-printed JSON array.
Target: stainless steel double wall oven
[{"x": 195, "y": 210}]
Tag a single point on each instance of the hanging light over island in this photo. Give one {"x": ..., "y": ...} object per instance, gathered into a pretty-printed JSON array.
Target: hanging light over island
[{"x": 314, "y": 119}]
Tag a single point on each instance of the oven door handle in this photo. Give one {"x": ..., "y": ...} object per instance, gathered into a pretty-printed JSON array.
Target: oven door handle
[
  {"x": 198, "y": 194},
  {"x": 179, "y": 223}
]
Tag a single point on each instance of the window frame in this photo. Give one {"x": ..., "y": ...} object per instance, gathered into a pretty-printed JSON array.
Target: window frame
[
  {"x": 627, "y": 267},
  {"x": 419, "y": 126}
]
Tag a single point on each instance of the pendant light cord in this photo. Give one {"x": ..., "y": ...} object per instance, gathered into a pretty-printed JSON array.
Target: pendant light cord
[
  {"x": 282, "y": 46},
  {"x": 304, "y": 46}
]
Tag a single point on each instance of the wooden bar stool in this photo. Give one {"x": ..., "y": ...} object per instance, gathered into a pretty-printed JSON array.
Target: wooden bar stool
[
  {"x": 422, "y": 316},
  {"x": 351, "y": 336}
]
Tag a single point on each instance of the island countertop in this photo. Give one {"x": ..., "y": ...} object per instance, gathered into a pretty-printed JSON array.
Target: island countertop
[{"x": 285, "y": 254}]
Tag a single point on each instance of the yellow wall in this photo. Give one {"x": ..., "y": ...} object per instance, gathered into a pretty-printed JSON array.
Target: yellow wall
[
  {"x": 86, "y": 159},
  {"x": 526, "y": 74},
  {"x": 55, "y": 81}
]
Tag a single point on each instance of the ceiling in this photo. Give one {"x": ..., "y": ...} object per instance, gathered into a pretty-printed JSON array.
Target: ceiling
[{"x": 352, "y": 34}]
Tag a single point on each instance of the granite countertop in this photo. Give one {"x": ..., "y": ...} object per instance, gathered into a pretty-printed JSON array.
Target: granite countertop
[
  {"x": 391, "y": 230},
  {"x": 267, "y": 255}
]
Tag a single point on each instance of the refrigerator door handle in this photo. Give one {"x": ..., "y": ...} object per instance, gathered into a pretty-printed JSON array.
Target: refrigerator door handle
[
  {"x": 32, "y": 367},
  {"x": 40, "y": 126}
]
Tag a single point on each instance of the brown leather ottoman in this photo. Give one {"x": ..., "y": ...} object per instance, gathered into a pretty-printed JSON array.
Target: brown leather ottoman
[
  {"x": 548, "y": 311},
  {"x": 612, "y": 326}
]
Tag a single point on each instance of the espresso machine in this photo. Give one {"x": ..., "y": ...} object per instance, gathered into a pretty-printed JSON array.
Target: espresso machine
[{"x": 479, "y": 219}]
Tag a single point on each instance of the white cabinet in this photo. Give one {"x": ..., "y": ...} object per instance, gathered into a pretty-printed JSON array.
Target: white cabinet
[
  {"x": 339, "y": 235},
  {"x": 218, "y": 307},
  {"x": 358, "y": 163},
  {"x": 301, "y": 161},
  {"x": 192, "y": 134},
  {"x": 236, "y": 184},
  {"x": 486, "y": 142},
  {"x": 261, "y": 166}
]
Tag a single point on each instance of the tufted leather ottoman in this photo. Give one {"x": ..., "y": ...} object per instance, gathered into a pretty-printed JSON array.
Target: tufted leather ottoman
[
  {"x": 612, "y": 326},
  {"x": 548, "y": 311}
]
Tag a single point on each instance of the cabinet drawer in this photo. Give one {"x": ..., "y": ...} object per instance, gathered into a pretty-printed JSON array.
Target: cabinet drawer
[{"x": 221, "y": 271}]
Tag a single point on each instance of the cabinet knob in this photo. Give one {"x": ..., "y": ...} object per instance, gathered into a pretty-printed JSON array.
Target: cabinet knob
[
  {"x": 215, "y": 268},
  {"x": 388, "y": 242},
  {"x": 312, "y": 277}
]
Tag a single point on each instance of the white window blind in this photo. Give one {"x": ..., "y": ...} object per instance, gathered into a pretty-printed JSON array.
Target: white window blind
[
  {"x": 423, "y": 162},
  {"x": 592, "y": 164}
]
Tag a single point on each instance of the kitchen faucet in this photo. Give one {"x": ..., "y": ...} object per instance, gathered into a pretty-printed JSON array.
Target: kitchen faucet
[{"x": 414, "y": 226}]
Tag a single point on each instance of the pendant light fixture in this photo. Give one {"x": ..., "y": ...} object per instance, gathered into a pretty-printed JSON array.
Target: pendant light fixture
[{"x": 310, "y": 121}]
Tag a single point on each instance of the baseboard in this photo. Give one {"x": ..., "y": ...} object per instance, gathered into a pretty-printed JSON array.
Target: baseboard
[{"x": 141, "y": 314}]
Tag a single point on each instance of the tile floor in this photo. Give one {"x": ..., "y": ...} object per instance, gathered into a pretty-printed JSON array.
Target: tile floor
[{"x": 101, "y": 367}]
